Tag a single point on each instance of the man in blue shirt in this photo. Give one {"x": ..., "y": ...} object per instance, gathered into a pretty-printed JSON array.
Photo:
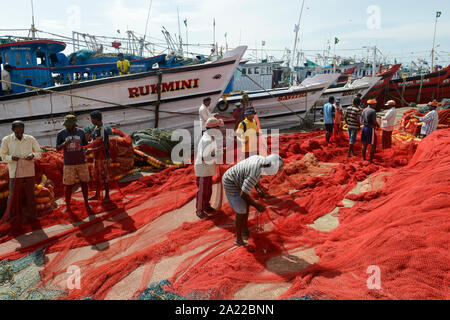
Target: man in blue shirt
[
  {"x": 72, "y": 140},
  {"x": 328, "y": 117}
]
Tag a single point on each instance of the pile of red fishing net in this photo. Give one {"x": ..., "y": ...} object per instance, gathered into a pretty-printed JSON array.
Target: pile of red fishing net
[{"x": 401, "y": 227}]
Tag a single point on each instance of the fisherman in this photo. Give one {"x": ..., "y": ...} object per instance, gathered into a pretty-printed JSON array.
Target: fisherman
[
  {"x": 337, "y": 129},
  {"x": 205, "y": 113},
  {"x": 248, "y": 132},
  {"x": 205, "y": 168},
  {"x": 19, "y": 151},
  {"x": 368, "y": 135},
  {"x": 430, "y": 120},
  {"x": 72, "y": 140},
  {"x": 359, "y": 95},
  {"x": 328, "y": 118},
  {"x": 123, "y": 65},
  {"x": 387, "y": 124},
  {"x": 102, "y": 156},
  {"x": 6, "y": 79},
  {"x": 239, "y": 112},
  {"x": 239, "y": 182},
  {"x": 352, "y": 118}
]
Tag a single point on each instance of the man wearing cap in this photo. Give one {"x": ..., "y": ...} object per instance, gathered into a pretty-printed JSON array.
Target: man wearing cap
[
  {"x": 248, "y": 132},
  {"x": 368, "y": 135},
  {"x": 387, "y": 124},
  {"x": 430, "y": 120},
  {"x": 19, "y": 150},
  {"x": 72, "y": 140},
  {"x": 328, "y": 118},
  {"x": 205, "y": 167},
  {"x": 239, "y": 182},
  {"x": 123, "y": 65}
]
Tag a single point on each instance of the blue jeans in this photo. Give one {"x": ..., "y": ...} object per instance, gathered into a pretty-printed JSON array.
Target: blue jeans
[
  {"x": 237, "y": 203},
  {"x": 352, "y": 135}
]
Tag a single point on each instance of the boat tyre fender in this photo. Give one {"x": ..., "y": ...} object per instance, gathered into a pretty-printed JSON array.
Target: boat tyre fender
[{"x": 223, "y": 106}]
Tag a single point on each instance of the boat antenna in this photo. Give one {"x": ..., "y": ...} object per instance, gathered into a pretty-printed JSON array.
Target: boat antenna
[
  {"x": 179, "y": 32},
  {"x": 146, "y": 28}
]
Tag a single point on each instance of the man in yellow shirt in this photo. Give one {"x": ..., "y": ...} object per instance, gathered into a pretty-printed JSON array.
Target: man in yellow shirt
[
  {"x": 123, "y": 65},
  {"x": 249, "y": 132},
  {"x": 19, "y": 150}
]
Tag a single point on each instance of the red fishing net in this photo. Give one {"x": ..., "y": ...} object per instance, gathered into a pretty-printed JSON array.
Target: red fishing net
[{"x": 399, "y": 222}]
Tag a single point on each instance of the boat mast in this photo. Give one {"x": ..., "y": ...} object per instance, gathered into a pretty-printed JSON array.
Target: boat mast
[
  {"x": 438, "y": 14},
  {"x": 33, "y": 29},
  {"x": 297, "y": 29},
  {"x": 141, "y": 51},
  {"x": 374, "y": 66}
]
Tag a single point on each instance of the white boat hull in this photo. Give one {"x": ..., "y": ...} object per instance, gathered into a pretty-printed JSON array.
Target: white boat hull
[
  {"x": 281, "y": 108},
  {"x": 349, "y": 92},
  {"x": 127, "y": 102}
]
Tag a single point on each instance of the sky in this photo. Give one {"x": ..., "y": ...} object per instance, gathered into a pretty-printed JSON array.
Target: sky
[{"x": 401, "y": 29}]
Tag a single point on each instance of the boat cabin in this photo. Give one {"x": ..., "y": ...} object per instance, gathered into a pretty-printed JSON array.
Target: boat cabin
[
  {"x": 31, "y": 60},
  {"x": 42, "y": 63}
]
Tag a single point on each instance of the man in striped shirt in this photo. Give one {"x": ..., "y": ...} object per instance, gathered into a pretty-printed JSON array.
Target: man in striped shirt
[
  {"x": 239, "y": 182},
  {"x": 430, "y": 121},
  {"x": 352, "y": 119}
]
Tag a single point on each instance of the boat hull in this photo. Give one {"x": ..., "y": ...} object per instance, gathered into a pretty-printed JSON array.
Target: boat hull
[
  {"x": 281, "y": 108},
  {"x": 419, "y": 89},
  {"x": 127, "y": 102}
]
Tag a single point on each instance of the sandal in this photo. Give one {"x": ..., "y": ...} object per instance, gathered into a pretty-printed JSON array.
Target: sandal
[{"x": 202, "y": 215}]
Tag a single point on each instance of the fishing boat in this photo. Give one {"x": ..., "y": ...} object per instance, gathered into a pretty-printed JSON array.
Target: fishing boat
[
  {"x": 383, "y": 85},
  {"x": 281, "y": 108},
  {"x": 421, "y": 88},
  {"x": 349, "y": 91},
  {"x": 162, "y": 98}
]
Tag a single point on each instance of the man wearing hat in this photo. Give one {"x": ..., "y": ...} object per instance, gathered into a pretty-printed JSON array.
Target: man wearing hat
[
  {"x": 205, "y": 167},
  {"x": 239, "y": 182},
  {"x": 249, "y": 132},
  {"x": 72, "y": 140},
  {"x": 123, "y": 65},
  {"x": 430, "y": 120},
  {"x": 19, "y": 150},
  {"x": 387, "y": 124},
  {"x": 368, "y": 135}
]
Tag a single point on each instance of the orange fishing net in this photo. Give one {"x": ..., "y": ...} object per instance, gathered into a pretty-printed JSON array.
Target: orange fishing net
[{"x": 400, "y": 225}]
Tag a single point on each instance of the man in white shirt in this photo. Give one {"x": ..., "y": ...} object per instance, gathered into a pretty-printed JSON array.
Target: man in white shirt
[
  {"x": 205, "y": 168},
  {"x": 6, "y": 77},
  {"x": 430, "y": 121},
  {"x": 205, "y": 113},
  {"x": 388, "y": 124},
  {"x": 19, "y": 150}
]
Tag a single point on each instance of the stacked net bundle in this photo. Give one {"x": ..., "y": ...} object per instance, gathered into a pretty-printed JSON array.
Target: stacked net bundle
[{"x": 153, "y": 234}]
